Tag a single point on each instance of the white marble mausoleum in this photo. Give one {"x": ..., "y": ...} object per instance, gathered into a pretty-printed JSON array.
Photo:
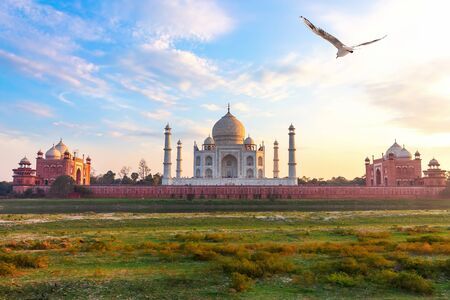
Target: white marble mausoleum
[{"x": 228, "y": 158}]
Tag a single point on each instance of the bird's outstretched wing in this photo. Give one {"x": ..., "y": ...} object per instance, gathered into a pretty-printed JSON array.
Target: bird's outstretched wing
[
  {"x": 367, "y": 43},
  {"x": 322, "y": 33}
]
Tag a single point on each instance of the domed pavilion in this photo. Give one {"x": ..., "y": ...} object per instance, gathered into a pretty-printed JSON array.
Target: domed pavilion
[{"x": 398, "y": 167}]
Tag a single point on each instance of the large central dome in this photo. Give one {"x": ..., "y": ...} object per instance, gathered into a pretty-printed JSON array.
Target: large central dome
[{"x": 228, "y": 130}]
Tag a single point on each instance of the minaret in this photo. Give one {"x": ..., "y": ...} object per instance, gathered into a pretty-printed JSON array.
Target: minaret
[
  {"x": 292, "y": 164},
  {"x": 179, "y": 159},
  {"x": 167, "y": 155},
  {"x": 276, "y": 170}
]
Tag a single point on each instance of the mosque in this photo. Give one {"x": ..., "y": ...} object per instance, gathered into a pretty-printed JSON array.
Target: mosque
[
  {"x": 58, "y": 161},
  {"x": 228, "y": 158},
  {"x": 398, "y": 167}
]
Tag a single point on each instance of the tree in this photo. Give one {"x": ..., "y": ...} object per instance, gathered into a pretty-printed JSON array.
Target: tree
[
  {"x": 148, "y": 180},
  {"x": 126, "y": 180},
  {"x": 5, "y": 188},
  {"x": 62, "y": 186},
  {"x": 157, "y": 179},
  {"x": 124, "y": 171},
  {"x": 134, "y": 176},
  {"x": 143, "y": 169},
  {"x": 108, "y": 178}
]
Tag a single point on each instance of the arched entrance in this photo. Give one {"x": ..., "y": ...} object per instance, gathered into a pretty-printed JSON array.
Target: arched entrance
[
  {"x": 78, "y": 176},
  {"x": 229, "y": 167},
  {"x": 378, "y": 177}
]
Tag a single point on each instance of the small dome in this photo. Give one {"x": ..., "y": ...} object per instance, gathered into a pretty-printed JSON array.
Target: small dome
[
  {"x": 417, "y": 153},
  {"x": 367, "y": 159},
  {"x": 24, "y": 161},
  {"x": 249, "y": 141},
  {"x": 88, "y": 158},
  {"x": 405, "y": 154},
  {"x": 291, "y": 127},
  {"x": 395, "y": 149},
  {"x": 179, "y": 142},
  {"x": 433, "y": 163},
  {"x": 209, "y": 141},
  {"x": 228, "y": 130},
  {"x": 39, "y": 153},
  {"x": 53, "y": 153},
  {"x": 61, "y": 147},
  {"x": 275, "y": 143}
]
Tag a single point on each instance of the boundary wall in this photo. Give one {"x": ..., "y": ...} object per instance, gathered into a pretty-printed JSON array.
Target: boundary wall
[
  {"x": 264, "y": 192},
  {"x": 253, "y": 192}
]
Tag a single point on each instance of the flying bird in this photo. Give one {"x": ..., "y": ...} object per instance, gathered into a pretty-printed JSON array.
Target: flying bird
[{"x": 343, "y": 50}]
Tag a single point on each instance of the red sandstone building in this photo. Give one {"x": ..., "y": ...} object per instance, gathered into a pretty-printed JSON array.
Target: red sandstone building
[
  {"x": 397, "y": 167},
  {"x": 58, "y": 161}
]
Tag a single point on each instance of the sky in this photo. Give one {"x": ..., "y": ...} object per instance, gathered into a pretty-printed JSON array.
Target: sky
[{"x": 106, "y": 76}]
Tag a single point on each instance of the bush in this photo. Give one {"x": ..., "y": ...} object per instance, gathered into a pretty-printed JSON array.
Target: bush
[
  {"x": 343, "y": 279},
  {"x": 367, "y": 235},
  {"x": 421, "y": 248},
  {"x": 412, "y": 282},
  {"x": 62, "y": 186},
  {"x": 24, "y": 260},
  {"x": 424, "y": 267},
  {"x": 350, "y": 266},
  {"x": 82, "y": 191},
  {"x": 96, "y": 246},
  {"x": 383, "y": 277},
  {"x": 7, "y": 269},
  {"x": 260, "y": 264},
  {"x": 305, "y": 279},
  {"x": 241, "y": 282},
  {"x": 426, "y": 239}
]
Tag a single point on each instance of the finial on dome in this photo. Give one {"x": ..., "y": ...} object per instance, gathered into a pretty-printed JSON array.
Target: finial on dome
[{"x": 228, "y": 107}]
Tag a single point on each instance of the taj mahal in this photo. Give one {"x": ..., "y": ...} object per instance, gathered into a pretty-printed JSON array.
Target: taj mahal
[{"x": 228, "y": 158}]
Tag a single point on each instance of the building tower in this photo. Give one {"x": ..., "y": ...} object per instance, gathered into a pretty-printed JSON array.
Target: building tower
[
  {"x": 292, "y": 164},
  {"x": 167, "y": 155},
  {"x": 179, "y": 159},
  {"x": 276, "y": 170}
]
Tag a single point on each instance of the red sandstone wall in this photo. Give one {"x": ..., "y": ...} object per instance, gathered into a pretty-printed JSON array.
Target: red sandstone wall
[
  {"x": 260, "y": 192},
  {"x": 265, "y": 192}
]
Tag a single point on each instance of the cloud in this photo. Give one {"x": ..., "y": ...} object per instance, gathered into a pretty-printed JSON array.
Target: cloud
[
  {"x": 201, "y": 20},
  {"x": 158, "y": 114},
  {"x": 39, "y": 110},
  {"x": 240, "y": 106},
  {"x": 128, "y": 129},
  {"x": 165, "y": 74},
  {"x": 43, "y": 42},
  {"x": 211, "y": 106},
  {"x": 71, "y": 125},
  {"x": 63, "y": 99},
  {"x": 411, "y": 100},
  {"x": 404, "y": 75}
]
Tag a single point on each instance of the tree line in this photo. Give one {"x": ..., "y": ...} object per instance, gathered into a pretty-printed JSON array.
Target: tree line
[
  {"x": 334, "y": 181},
  {"x": 142, "y": 176}
]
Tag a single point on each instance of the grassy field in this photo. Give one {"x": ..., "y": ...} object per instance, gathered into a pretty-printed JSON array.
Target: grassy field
[
  {"x": 41, "y": 206},
  {"x": 388, "y": 254}
]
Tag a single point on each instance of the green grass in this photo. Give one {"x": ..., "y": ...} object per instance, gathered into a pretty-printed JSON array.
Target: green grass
[{"x": 235, "y": 255}]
